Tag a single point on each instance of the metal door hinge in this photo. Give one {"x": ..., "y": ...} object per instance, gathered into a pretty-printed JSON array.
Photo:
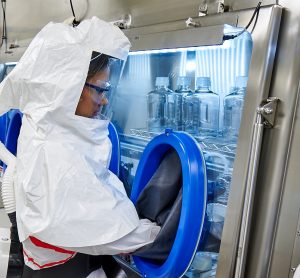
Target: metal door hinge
[
  {"x": 207, "y": 7},
  {"x": 191, "y": 23},
  {"x": 267, "y": 110}
]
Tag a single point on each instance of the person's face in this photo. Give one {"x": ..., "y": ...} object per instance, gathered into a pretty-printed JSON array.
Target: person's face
[{"x": 91, "y": 101}]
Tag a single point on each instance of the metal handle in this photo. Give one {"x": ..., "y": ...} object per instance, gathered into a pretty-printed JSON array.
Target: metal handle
[
  {"x": 265, "y": 118},
  {"x": 248, "y": 202}
]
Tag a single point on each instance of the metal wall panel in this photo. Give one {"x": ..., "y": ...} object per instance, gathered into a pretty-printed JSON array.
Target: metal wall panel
[
  {"x": 276, "y": 179},
  {"x": 26, "y": 18}
]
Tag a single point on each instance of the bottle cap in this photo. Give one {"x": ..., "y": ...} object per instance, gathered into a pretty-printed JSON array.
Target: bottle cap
[
  {"x": 183, "y": 81},
  {"x": 203, "y": 82},
  {"x": 162, "y": 81}
]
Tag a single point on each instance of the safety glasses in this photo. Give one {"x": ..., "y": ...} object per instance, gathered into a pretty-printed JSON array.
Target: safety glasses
[{"x": 104, "y": 86}]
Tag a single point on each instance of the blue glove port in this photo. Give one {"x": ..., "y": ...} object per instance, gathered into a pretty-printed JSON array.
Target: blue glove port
[{"x": 193, "y": 200}]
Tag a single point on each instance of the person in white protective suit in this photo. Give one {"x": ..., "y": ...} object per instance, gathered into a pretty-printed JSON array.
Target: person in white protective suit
[{"x": 67, "y": 201}]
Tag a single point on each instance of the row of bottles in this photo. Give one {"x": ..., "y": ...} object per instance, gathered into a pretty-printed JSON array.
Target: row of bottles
[{"x": 194, "y": 112}]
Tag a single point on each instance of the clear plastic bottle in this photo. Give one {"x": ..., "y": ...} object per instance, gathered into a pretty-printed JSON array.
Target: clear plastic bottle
[
  {"x": 233, "y": 108},
  {"x": 183, "y": 89},
  {"x": 156, "y": 102},
  {"x": 202, "y": 109},
  {"x": 170, "y": 110},
  {"x": 189, "y": 107}
]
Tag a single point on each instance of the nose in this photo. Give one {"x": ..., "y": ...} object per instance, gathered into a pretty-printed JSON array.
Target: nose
[
  {"x": 104, "y": 101},
  {"x": 100, "y": 99}
]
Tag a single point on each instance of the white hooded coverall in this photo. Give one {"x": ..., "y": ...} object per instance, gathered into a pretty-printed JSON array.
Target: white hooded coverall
[{"x": 66, "y": 198}]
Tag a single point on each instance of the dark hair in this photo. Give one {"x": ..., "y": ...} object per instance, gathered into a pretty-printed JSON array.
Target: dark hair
[{"x": 99, "y": 62}]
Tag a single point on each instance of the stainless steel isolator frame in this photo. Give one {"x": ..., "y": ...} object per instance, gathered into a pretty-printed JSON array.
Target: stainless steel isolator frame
[{"x": 265, "y": 117}]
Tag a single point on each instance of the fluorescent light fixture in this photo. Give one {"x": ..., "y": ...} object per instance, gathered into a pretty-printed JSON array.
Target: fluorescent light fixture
[
  {"x": 11, "y": 64},
  {"x": 228, "y": 30},
  {"x": 183, "y": 49}
]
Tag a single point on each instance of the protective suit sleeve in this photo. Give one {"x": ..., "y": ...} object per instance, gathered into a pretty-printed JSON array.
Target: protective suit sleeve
[
  {"x": 144, "y": 234},
  {"x": 8, "y": 95}
]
